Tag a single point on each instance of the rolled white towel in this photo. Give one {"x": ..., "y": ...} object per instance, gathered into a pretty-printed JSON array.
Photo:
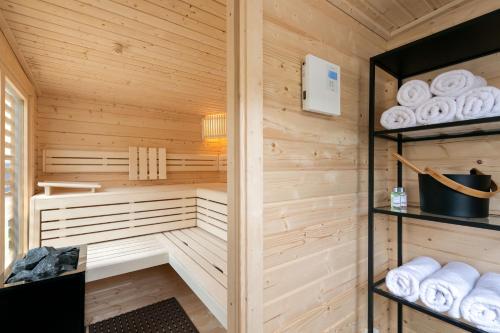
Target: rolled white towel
[
  {"x": 482, "y": 306},
  {"x": 479, "y": 103},
  {"x": 480, "y": 82},
  {"x": 404, "y": 281},
  {"x": 444, "y": 290},
  {"x": 453, "y": 83},
  {"x": 414, "y": 93},
  {"x": 436, "y": 110},
  {"x": 398, "y": 117}
]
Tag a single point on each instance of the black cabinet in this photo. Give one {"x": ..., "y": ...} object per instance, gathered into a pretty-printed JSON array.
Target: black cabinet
[{"x": 54, "y": 305}]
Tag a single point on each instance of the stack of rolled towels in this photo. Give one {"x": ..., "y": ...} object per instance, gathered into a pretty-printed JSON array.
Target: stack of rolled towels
[
  {"x": 456, "y": 288},
  {"x": 452, "y": 96}
]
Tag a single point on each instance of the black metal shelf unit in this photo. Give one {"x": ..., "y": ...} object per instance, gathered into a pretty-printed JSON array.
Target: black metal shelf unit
[{"x": 467, "y": 41}]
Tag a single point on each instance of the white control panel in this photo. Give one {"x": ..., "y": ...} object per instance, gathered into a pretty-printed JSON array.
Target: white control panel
[{"x": 320, "y": 86}]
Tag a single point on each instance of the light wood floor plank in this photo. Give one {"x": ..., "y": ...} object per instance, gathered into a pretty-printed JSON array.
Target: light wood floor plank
[{"x": 120, "y": 294}]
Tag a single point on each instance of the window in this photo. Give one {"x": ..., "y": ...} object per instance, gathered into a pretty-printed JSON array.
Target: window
[{"x": 14, "y": 172}]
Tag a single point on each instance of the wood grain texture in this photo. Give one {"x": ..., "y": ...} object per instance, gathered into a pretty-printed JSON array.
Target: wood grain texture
[
  {"x": 153, "y": 53},
  {"x": 315, "y": 175},
  {"x": 83, "y": 124},
  {"x": 453, "y": 15},
  {"x": 384, "y": 17},
  {"x": 113, "y": 296}
]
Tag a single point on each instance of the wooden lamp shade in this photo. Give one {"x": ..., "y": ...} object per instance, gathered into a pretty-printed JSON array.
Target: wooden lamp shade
[{"x": 214, "y": 126}]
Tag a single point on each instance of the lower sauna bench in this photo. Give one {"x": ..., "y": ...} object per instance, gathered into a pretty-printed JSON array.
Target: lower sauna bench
[{"x": 129, "y": 229}]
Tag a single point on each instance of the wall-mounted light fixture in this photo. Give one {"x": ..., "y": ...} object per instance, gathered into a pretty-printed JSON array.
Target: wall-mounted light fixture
[{"x": 214, "y": 126}]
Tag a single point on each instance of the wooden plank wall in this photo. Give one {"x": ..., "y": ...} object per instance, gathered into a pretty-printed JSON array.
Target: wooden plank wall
[
  {"x": 478, "y": 248},
  {"x": 315, "y": 175},
  {"x": 74, "y": 123}
]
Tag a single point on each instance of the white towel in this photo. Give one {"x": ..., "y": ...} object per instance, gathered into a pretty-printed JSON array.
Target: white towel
[
  {"x": 480, "y": 82},
  {"x": 436, "y": 110},
  {"x": 444, "y": 290},
  {"x": 398, "y": 117},
  {"x": 454, "y": 83},
  {"x": 479, "y": 103},
  {"x": 482, "y": 306},
  {"x": 414, "y": 93},
  {"x": 404, "y": 281}
]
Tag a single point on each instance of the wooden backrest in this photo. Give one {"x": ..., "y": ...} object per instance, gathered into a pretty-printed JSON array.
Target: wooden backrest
[
  {"x": 87, "y": 218},
  {"x": 147, "y": 163},
  {"x": 66, "y": 220},
  {"x": 144, "y": 160},
  {"x": 64, "y": 161}
]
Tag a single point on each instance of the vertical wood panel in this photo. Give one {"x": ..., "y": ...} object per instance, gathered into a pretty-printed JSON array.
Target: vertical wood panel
[
  {"x": 143, "y": 163},
  {"x": 162, "y": 163},
  {"x": 132, "y": 163},
  {"x": 153, "y": 163}
]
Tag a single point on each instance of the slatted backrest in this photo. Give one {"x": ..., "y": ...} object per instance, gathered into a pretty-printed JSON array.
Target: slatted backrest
[
  {"x": 147, "y": 163},
  {"x": 93, "y": 218},
  {"x": 72, "y": 161},
  {"x": 211, "y": 209},
  {"x": 192, "y": 162}
]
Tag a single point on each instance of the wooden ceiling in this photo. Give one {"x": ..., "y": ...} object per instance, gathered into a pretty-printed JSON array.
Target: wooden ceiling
[
  {"x": 158, "y": 53},
  {"x": 388, "y": 18}
]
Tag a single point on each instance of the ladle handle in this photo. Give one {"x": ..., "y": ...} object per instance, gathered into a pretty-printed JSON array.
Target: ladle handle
[{"x": 407, "y": 163}]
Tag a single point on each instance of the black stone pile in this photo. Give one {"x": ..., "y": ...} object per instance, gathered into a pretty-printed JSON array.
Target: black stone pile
[{"x": 44, "y": 262}]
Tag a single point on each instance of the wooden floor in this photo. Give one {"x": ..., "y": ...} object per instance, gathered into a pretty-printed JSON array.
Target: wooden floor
[{"x": 116, "y": 295}]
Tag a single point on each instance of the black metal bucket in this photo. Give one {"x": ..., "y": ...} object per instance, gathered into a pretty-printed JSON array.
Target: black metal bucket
[{"x": 437, "y": 198}]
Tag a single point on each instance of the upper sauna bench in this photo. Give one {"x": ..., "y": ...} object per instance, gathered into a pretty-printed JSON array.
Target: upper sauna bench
[{"x": 133, "y": 228}]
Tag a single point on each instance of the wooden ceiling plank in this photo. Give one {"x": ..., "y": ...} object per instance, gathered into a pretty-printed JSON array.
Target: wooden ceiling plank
[
  {"x": 171, "y": 91},
  {"x": 69, "y": 54},
  {"x": 429, "y": 16},
  {"x": 154, "y": 21},
  {"x": 162, "y": 65},
  {"x": 361, "y": 17},
  {"x": 403, "y": 9},
  {"x": 124, "y": 82},
  {"x": 381, "y": 11},
  {"x": 98, "y": 82},
  {"x": 152, "y": 10},
  {"x": 416, "y": 8},
  {"x": 159, "y": 53},
  {"x": 140, "y": 54},
  {"x": 125, "y": 78},
  {"x": 4, "y": 27},
  {"x": 208, "y": 6},
  {"x": 196, "y": 14},
  {"x": 119, "y": 29}
]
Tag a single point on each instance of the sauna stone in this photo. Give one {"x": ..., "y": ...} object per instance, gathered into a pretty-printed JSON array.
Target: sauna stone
[{"x": 44, "y": 262}]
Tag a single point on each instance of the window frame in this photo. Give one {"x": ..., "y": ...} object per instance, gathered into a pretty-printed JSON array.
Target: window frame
[{"x": 25, "y": 188}]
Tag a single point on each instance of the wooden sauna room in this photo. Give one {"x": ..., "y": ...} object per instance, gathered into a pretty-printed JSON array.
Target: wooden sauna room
[{"x": 250, "y": 166}]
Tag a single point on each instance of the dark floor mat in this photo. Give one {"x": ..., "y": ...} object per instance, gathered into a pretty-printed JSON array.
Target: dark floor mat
[{"x": 165, "y": 317}]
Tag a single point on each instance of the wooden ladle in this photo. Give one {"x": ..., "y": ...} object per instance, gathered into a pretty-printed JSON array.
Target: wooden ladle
[{"x": 408, "y": 163}]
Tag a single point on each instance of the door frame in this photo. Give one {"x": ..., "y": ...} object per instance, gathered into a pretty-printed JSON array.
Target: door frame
[{"x": 245, "y": 165}]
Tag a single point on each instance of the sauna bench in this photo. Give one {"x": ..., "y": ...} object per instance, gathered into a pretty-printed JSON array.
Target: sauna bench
[{"x": 133, "y": 228}]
